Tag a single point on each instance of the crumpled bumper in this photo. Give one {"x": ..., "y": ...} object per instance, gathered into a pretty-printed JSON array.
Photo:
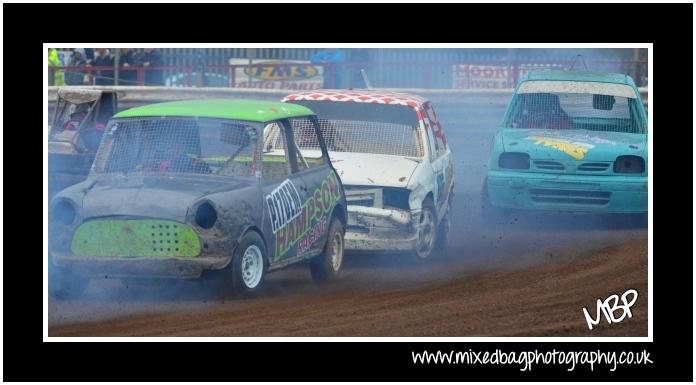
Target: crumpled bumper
[{"x": 372, "y": 228}]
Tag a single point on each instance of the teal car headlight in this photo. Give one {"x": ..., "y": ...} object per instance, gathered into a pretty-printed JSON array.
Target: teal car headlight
[
  {"x": 629, "y": 164},
  {"x": 514, "y": 160}
]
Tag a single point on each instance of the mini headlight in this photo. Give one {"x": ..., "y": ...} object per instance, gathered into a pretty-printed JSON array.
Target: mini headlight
[
  {"x": 63, "y": 212},
  {"x": 206, "y": 216},
  {"x": 61, "y": 218}
]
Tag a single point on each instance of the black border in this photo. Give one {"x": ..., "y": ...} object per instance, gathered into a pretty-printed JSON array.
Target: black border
[{"x": 669, "y": 27}]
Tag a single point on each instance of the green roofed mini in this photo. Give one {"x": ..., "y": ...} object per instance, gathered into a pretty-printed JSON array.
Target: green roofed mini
[{"x": 187, "y": 190}]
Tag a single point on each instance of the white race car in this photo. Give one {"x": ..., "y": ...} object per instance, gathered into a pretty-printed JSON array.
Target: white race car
[{"x": 395, "y": 164}]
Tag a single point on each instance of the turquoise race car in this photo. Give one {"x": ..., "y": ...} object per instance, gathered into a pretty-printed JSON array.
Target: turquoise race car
[{"x": 570, "y": 141}]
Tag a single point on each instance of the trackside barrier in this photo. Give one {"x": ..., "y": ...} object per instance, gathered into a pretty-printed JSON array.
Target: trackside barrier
[{"x": 133, "y": 96}]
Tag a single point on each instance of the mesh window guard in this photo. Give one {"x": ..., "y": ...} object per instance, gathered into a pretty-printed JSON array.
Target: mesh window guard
[
  {"x": 577, "y": 111},
  {"x": 359, "y": 136},
  {"x": 178, "y": 145}
]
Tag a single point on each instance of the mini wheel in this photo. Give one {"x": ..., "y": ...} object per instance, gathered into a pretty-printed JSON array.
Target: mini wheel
[
  {"x": 247, "y": 270},
  {"x": 327, "y": 265}
]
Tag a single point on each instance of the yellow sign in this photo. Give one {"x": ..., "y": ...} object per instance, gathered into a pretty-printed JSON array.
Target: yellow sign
[
  {"x": 575, "y": 149},
  {"x": 277, "y": 71}
]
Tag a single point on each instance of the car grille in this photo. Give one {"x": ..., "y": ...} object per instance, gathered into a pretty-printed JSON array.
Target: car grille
[
  {"x": 364, "y": 197},
  {"x": 368, "y": 202},
  {"x": 135, "y": 238},
  {"x": 593, "y": 167},
  {"x": 570, "y": 167},
  {"x": 549, "y": 165},
  {"x": 578, "y": 197}
]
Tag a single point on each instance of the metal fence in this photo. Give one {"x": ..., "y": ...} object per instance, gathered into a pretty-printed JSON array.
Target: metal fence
[
  {"x": 129, "y": 97},
  {"x": 398, "y": 68},
  {"x": 348, "y": 75}
]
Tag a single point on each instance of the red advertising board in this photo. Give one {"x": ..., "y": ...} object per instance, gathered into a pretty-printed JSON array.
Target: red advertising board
[{"x": 477, "y": 76}]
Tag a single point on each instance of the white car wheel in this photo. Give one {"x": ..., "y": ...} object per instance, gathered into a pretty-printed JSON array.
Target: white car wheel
[
  {"x": 252, "y": 266},
  {"x": 427, "y": 231}
]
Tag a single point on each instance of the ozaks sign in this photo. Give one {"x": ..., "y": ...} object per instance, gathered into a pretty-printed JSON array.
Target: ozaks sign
[
  {"x": 278, "y": 71},
  {"x": 290, "y": 75}
]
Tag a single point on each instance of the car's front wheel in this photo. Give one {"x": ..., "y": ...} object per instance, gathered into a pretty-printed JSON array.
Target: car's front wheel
[
  {"x": 327, "y": 265},
  {"x": 247, "y": 270},
  {"x": 427, "y": 231}
]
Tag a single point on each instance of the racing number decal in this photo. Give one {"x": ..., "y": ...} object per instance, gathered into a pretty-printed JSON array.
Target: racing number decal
[
  {"x": 311, "y": 221},
  {"x": 283, "y": 205}
]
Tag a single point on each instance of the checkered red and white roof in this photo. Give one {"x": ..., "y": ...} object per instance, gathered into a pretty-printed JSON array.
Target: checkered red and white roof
[
  {"x": 423, "y": 109},
  {"x": 360, "y": 96}
]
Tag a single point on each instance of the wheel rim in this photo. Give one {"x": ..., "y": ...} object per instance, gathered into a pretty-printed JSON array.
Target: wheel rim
[
  {"x": 252, "y": 266},
  {"x": 426, "y": 233},
  {"x": 336, "y": 256}
]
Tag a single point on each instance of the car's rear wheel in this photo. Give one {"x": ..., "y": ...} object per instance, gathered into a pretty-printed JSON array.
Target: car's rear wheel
[
  {"x": 64, "y": 284},
  {"x": 328, "y": 264},
  {"x": 427, "y": 231},
  {"x": 247, "y": 270}
]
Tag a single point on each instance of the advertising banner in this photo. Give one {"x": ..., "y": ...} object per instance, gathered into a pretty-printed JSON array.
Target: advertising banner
[{"x": 271, "y": 74}]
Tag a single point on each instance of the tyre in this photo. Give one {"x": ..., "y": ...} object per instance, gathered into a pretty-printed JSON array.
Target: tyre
[
  {"x": 64, "y": 284},
  {"x": 245, "y": 274},
  {"x": 427, "y": 231},
  {"x": 327, "y": 265},
  {"x": 443, "y": 232}
]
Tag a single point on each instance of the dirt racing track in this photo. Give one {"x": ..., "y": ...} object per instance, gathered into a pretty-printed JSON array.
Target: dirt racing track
[{"x": 527, "y": 275}]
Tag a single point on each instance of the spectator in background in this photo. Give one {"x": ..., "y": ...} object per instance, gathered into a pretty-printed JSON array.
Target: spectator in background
[
  {"x": 103, "y": 58},
  {"x": 151, "y": 58},
  {"x": 89, "y": 54},
  {"x": 359, "y": 59},
  {"x": 128, "y": 75},
  {"x": 76, "y": 76},
  {"x": 332, "y": 60},
  {"x": 54, "y": 61}
]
